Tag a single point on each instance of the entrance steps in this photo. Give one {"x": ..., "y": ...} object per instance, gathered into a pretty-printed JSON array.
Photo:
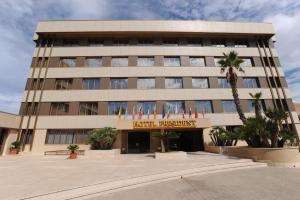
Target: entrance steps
[{"x": 111, "y": 186}]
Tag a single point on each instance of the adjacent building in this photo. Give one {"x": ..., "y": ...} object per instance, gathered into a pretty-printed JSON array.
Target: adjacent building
[{"x": 131, "y": 74}]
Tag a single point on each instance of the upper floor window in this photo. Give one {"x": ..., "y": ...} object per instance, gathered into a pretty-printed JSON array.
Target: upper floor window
[
  {"x": 273, "y": 81},
  {"x": 60, "y": 108},
  {"x": 223, "y": 83},
  {"x": 145, "y": 42},
  {"x": 200, "y": 82},
  {"x": 114, "y": 108},
  {"x": 242, "y": 43},
  {"x": 171, "y": 83},
  {"x": 145, "y": 83},
  {"x": 145, "y": 61},
  {"x": 197, "y": 61},
  {"x": 95, "y": 42},
  {"x": 216, "y": 61},
  {"x": 70, "y": 42},
  {"x": 194, "y": 42},
  {"x": 251, "y": 105},
  {"x": 174, "y": 107},
  {"x": 30, "y": 108},
  {"x": 172, "y": 61},
  {"x": 119, "y": 62},
  {"x": 63, "y": 84},
  {"x": 247, "y": 62},
  {"x": 91, "y": 83},
  {"x": 67, "y": 62},
  {"x": 218, "y": 42},
  {"x": 119, "y": 83},
  {"x": 37, "y": 84},
  {"x": 228, "y": 106},
  {"x": 93, "y": 62},
  {"x": 88, "y": 108},
  {"x": 170, "y": 42},
  {"x": 120, "y": 42},
  {"x": 203, "y": 106},
  {"x": 146, "y": 107},
  {"x": 250, "y": 82}
]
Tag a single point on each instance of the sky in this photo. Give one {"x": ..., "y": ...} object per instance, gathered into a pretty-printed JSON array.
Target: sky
[{"x": 18, "y": 20}]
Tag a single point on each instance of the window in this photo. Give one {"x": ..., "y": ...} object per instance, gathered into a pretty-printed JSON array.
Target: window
[
  {"x": 250, "y": 82},
  {"x": 170, "y": 42},
  {"x": 197, "y": 61},
  {"x": 171, "y": 83},
  {"x": 59, "y": 108},
  {"x": 241, "y": 43},
  {"x": 91, "y": 83},
  {"x": 120, "y": 42},
  {"x": 67, "y": 62},
  {"x": 228, "y": 106},
  {"x": 247, "y": 62},
  {"x": 119, "y": 62},
  {"x": 218, "y": 43},
  {"x": 145, "y": 42},
  {"x": 145, "y": 61},
  {"x": 200, "y": 82},
  {"x": 70, "y": 42},
  {"x": 95, "y": 42},
  {"x": 93, "y": 62},
  {"x": 146, "y": 83},
  {"x": 174, "y": 107},
  {"x": 216, "y": 60},
  {"x": 37, "y": 84},
  {"x": 251, "y": 105},
  {"x": 203, "y": 105},
  {"x": 146, "y": 106},
  {"x": 172, "y": 61},
  {"x": 223, "y": 83},
  {"x": 115, "y": 107},
  {"x": 88, "y": 108},
  {"x": 119, "y": 83},
  {"x": 63, "y": 84},
  {"x": 66, "y": 136},
  {"x": 30, "y": 108},
  {"x": 272, "y": 82},
  {"x": 194, "y": 43}
]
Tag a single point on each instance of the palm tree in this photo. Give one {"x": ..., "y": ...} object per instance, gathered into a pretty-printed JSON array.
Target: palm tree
[
  {"x": 102, "y": 138},
  {"x": 231, "y": 63},
  {"x": 164, "y": 136},
  {"x": 256, "y": 103}
]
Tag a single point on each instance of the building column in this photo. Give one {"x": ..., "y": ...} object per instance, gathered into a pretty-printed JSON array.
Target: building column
[
  {"x": 11, "y": 136},
  {"x": 38, "y": 143}
]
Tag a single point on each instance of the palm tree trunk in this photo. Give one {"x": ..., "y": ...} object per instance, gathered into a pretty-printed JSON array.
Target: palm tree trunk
[
  {"x": 237, "y": 102},
  {"x": 163, "y": 149}
]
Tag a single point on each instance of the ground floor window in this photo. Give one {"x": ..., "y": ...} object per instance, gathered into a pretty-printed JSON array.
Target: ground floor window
[{"x": 66, "y": 136}]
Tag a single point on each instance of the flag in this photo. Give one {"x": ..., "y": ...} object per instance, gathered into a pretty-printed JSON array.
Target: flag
[
  {"x": 163, "y": 113},
  {"x": 154, "y": 112},
  {"x": 176, "y": 110},
  {"x": 168, "y": 113},
  {"x": 133, "y": 112},
  {"x": 196, "y": 113},
  {"x": 203, "y": 112},
  {"x": 148, "y": 113},
  {"x": 126, "y": 114},
  {"x": 183, "y": 116},
  {"x": 190, "y": 112},
  {"x": 119, "y": 113}
]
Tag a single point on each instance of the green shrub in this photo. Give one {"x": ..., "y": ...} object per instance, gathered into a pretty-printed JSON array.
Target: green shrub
[
  {"x": 73, "y": 147},
  {"x": 15, "y": 145},
  {"x": 103, "y": 138},
  {"x": 223, "y": 137}
]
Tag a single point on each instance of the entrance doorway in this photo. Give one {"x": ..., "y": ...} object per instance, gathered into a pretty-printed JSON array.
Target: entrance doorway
[
  {"x": 187, "y": 141},
  {"x": 138, "y": 142},
  {"x": 3, "y": 134}
]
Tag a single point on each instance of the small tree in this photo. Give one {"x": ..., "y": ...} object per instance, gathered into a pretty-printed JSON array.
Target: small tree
[
  {"x": 256, "y": 103},
  {"x": 164, "y": 137},
  {"x": 222, "y": 137},
  {"x": 103, "y": 138},
  {"x": 73, "y": 148},
  {"x": 231, "y": 64}
]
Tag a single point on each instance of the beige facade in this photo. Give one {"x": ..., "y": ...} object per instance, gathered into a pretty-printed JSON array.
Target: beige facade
[{"x": 82, "y": 70}]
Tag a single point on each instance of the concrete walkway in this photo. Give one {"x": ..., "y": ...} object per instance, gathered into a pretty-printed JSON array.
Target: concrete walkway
[{"x": 55, "y": 177}]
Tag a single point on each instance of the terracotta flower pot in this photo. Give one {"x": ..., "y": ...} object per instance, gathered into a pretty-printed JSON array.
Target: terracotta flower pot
[
  {"x": 73, "y": 155},
  {"x": 13, "y": 151}
]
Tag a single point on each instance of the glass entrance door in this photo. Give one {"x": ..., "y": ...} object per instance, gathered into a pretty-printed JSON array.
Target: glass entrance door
[{"x": 138, "y": 142}]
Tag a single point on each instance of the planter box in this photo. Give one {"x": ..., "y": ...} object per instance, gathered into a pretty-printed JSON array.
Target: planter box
[
  {"x": 215, "y": 149},
  {"x": 174, "y": 155},
  {"x": 14, "y": 151},
  {"x": 102, "y": 154}
]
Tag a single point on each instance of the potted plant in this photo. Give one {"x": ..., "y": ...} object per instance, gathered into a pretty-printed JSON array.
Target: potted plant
[
  {"x": 73, "y": 148},
  {"x": 15, "y": 147}
]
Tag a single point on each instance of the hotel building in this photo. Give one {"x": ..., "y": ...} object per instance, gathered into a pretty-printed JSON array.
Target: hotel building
[{"x": 94, "y": 74}]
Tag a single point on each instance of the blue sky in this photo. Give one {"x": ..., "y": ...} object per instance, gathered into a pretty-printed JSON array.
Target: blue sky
[{"x": 18, "y": 19}]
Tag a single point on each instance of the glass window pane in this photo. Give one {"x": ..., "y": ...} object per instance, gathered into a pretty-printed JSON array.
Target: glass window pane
[
  {"x": 247, "y": 62},
  {"x": 200, "y": 82},
  {"x": 174, "y": 107},
  {"x": 251, "y": 105},
  {"x": 146, "y": 106},
  {"x": 68, "y": 62},
  {"x": 119, "y": 62},
  {"x": 119, "y": 83},
  {"x": 173, "y": 83},
  {"x": 172, "y": 61},
  {"x": 194, "y": 43},
  {"x": 229, "y": 106},
  {"x": 250, "y": 82},
  {"x": 114, "y": 107},
  {"x": 88, "y": 108},
  {"x": 197, "y": 61},
  {"x": 216, "y": 60},
  {"x": 145, "y": 61},
  {"x": 63, "y": 84},
  {"x": 146, "y": 83},
  {"x": 93, "y": 62},
  {"x": 223, "y": 83},
  {"x": 91, "y": 84},
  {"x": 203, "y": 105}
]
